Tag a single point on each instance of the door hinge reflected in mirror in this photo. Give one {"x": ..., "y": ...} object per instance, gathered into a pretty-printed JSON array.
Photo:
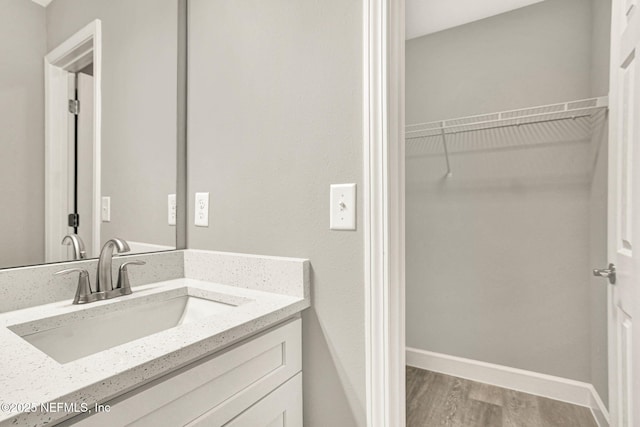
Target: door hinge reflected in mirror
[
  {"x": 74, "y": 220},
  {"x": 74, "y": 106}
]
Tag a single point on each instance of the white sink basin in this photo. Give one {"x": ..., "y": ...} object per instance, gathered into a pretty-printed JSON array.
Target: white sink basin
[{"x": 80, "y": 338}]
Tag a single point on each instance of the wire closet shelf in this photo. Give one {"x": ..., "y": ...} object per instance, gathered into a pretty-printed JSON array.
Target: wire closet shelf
[{"x": 580, "y": 109}]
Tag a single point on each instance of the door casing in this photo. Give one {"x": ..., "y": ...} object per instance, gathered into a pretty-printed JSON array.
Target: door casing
[{"x": 79, "y": 50}]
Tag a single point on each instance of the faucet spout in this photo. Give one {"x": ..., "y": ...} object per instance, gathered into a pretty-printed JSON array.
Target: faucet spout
[
  {"x": 78, "y": 246},
  {"x": 104, "y": 282}
]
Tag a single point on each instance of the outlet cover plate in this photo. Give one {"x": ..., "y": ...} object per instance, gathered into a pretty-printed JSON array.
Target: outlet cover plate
[
  {"x": 202, "y": 210},
  {"x": 171, "y": 209},
  {"x": 105, "y": 209}
]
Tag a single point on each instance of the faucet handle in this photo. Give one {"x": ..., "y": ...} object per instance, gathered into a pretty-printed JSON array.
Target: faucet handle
[
  {"x": 83, "y": 293},
  {"x": 82, "y": 271},
  {"x": 123, "y": 276},
  {"x": 134, "y": 262}
]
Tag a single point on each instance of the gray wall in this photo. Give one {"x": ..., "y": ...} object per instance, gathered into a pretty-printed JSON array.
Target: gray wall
[
  {"x": 532, "y": 56},
  {"x": 275, "y": 113},
  {"x": 601, "y": 12},
  {"x": 498, "y": 255},
  {"x": 139, "y": 75},
  {"x": 598, "y": 257},
  {"x": 22, "y": 47}
]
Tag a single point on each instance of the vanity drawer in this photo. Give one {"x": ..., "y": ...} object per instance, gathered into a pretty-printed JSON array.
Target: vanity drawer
[
  {"x": 280, "y": 408},
  {"x": 222, "y": 386}
]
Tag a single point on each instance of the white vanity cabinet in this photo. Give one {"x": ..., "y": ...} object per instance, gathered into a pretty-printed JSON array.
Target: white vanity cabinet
[{"x": 255, "y": 383}]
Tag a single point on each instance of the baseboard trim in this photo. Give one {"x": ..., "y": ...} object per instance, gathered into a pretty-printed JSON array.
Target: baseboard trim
[
  {"x": 557, "y": 388},
  {"x": 599, "y": 411}
]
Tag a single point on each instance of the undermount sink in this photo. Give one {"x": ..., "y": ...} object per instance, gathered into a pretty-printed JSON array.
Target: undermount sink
[{"x": 82, "y": 337}]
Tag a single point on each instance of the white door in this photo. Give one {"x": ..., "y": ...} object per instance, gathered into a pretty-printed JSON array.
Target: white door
[
  {"x": 624, "y": 216},
  {"x": 84, "y": 170}
]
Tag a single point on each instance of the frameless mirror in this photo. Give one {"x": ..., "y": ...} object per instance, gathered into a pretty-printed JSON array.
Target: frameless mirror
[{"x": 88, "y": 127}]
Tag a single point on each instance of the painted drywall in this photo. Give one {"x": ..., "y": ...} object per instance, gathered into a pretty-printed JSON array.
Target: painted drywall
[
  {"x": 139, "y": 92},
  {"x": 601, "y": 30},
  {"x": 536, "y": 55},
  {"x": 597, "y": 258},
  {"x": 497, "y": 255},
  {"x": 22, "y": 47},
  {"x": 275, "y": 114}
]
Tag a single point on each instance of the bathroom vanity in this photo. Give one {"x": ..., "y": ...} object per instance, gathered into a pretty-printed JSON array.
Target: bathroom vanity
[
  {"x": 96, "y": 166},
  {"x": 206, "y": 338}
]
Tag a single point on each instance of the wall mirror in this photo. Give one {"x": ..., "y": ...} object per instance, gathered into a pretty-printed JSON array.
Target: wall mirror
[{"x": 88, "y": 125}]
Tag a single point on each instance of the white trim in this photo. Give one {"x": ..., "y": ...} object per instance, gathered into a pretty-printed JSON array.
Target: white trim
[
  {"x": 374, "y": 263},
  {"x": 557, "y": 388},
  {"x": 383, "y": 50},
  {"x": 76, "y": 50},
  {"x": 143, "y": 247},
  {"x": 56, "y": 163},
  {"x": 43, "y": 3},
  {"x": 97, "y": 136},
  {"x": 599, "y": 411},
  {"x": 428, "y": 17}
]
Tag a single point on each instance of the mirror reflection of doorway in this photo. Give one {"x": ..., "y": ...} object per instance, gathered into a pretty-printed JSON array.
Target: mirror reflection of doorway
[
  {"x": 81, "y": 152},
  {"x": 72, "y": 145}
]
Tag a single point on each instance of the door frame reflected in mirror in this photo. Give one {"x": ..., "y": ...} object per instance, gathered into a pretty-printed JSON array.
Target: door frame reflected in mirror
[
  {"x": 75, "y": 53},
  {"x": 54, "y": 251}
]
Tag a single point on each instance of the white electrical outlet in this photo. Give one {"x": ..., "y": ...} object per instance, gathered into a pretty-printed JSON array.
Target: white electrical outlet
[
  {"x": 171, "y": 206},
  {"x": 343, "y": 207},
  {"x": 202, "y": 210},
  {"x": 105, "y": 211}
]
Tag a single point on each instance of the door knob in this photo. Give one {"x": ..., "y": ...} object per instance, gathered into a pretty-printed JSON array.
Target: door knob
[{"x": 610, "y": 273}]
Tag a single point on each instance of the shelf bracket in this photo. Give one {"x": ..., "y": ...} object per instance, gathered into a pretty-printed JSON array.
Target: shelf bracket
[{"x": 446, "y": 151}]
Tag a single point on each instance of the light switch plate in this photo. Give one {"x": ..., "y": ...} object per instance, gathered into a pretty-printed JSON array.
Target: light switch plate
[
  {"x": 171, "y": 206},
  {"x": 343, "y": 207},
  {"x": 202, "y": 210},
  {"x": 105, "y": 209}
]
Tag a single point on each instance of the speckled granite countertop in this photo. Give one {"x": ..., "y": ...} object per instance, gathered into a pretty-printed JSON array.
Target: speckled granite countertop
[{"x": 29, "y": 376}]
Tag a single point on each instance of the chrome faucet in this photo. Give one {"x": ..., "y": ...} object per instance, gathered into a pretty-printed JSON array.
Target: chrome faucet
[
  {"x": 83, "y": 293},
  {"x": 78, "y": 246},
  {"x": 104, "y": 281}
]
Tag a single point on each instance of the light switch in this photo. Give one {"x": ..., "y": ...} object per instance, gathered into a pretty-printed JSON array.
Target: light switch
[
  {"x": 105, "y": 210},
  {"x": 171, "y": 206},
  {"x": 343, "y": 207},
  {"x": 202, "y": 210}
]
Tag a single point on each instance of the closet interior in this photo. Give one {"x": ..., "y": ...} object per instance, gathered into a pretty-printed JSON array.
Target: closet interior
[{"x": 506, "y": 214}]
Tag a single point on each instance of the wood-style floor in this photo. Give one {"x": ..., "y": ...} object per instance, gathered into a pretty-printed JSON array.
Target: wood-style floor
[{"x": 440, "y": 400}]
